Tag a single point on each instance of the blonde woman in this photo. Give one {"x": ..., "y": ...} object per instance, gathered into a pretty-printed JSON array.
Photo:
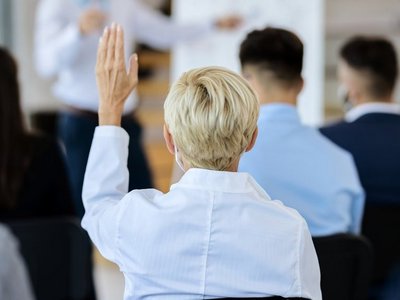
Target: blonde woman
[{"x": 216, "y": 233}]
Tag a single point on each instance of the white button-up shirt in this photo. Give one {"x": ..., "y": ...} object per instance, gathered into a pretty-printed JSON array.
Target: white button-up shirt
[
  {"x": 214, "y": 234},
  {"x": 60, "y": 49}
]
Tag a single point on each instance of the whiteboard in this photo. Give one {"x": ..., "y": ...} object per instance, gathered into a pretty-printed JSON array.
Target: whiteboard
[{"x": 221, "y": 48}]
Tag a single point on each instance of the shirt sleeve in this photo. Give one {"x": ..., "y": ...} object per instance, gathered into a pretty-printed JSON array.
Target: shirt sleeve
[
  {"x": 358, "y": 200},
  {"x": 57, "y": 37},
  {"x": 310, "y": 276},
  {"x": 157, "y": 30},
  {"x": 105, "y": 184}
]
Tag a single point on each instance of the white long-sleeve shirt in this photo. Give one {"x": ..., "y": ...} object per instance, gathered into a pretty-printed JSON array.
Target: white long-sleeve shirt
[
  {"x": 14, "y": 280},
  {"x": 61, "y": 51},
  {"x": 214, "y": 234}
]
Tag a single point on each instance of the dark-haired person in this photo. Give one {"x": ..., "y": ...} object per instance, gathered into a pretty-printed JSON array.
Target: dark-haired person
[
  {"x": 33, "y": 181},
  {"x": 371, "y": 129},
  {"x": 293, "y": 162},
  {"x": 368, "y": 70}
]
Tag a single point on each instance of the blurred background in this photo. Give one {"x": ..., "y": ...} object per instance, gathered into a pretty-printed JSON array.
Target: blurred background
[{"x": 341, "y": 20}]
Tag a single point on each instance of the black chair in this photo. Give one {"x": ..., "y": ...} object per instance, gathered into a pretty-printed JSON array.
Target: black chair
[
  {"x": 346, "y": 264},
  {"x": 45, "y": 122},
  {"x": 381, "y": 225},
  {"x": 58, "y": 257}
]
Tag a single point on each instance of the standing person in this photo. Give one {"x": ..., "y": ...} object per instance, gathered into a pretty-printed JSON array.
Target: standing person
[
  {"x": 368, "y": 71},
  {"x": 216, "y": 233},
  {"x": 33, "y": 176},
  {"x": 67, "y": 32},
  {"x": 292, "y": 161}
]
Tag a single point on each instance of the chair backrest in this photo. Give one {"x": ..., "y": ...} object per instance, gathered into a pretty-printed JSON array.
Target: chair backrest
[
  {"x": 58, "y": 257},
  {"x": 346, "y": 264},
  {"x": 45, "y": 121},
  {"x": 381, "y": 225}
]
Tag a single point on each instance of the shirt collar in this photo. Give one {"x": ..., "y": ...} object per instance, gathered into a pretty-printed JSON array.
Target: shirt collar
[
  {"x": 279, "y": 111},
  {"x": 221, "y": 181},
  {"x": 373, "y": 107}
]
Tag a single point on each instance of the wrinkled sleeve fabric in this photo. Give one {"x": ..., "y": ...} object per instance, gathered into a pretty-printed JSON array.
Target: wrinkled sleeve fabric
[
  {"x": 105, "y": 185},
  {"x": 157, "y": 30},
  {"x": 310, "y": 276},
  {"x": 57, "y": 37}
]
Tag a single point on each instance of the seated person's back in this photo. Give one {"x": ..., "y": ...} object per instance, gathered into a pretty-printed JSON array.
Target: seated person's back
[
  {"x": 368, "y": 71},
  {"x": 293, "y": 162},
  {"x": 216, "y": 233},
  {"x": 33, "y": 181}
]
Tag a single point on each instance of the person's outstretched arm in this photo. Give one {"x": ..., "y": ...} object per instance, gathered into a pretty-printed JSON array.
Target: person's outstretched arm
[
  {"x": 106, "y": 179},
  {"x": 59, "y": 36},
  {"x": 154, "y": 28}
]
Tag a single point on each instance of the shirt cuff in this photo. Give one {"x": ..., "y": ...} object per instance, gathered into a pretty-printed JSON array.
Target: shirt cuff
[{"x": 111, "y": 131}]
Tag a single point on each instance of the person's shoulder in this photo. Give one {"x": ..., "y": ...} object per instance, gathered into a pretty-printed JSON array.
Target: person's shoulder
[
  {"x": 285, "y": 214},
  {"x": 335, "y": 126}
]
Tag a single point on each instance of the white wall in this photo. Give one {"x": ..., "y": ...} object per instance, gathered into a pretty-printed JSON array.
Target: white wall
[{"x": 36, "y": 94}]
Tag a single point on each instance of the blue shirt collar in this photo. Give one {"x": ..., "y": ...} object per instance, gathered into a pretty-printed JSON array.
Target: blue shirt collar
[{"x": 279, "y": 112}]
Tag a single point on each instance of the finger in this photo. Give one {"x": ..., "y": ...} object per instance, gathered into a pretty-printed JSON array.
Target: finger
[
  {"x": 119, "y": 48},
  {"x": 111, "y": 47},
  {"x": 133, "y": 69},
  {"x": 101, "y": 50}
]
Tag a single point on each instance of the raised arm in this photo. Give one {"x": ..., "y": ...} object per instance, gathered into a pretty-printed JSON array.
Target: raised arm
[
  {"x": 157, "y": 30},
  {"x": 106, "y": 179}
]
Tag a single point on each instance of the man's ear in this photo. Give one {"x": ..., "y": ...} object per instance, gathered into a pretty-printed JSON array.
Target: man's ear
[
  {"x": 253, "y": 140},
  {"x": 169, "y": 141}
]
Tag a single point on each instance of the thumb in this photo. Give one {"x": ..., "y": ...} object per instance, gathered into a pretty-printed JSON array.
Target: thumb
[{"x": 133, "y": 68}]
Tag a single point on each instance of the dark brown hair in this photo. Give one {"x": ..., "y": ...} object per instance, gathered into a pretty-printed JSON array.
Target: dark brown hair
[
  {"x": 14, "y": 145},
  {"x": 276, "y": 50},
  {"x": 375, "y": 56}
]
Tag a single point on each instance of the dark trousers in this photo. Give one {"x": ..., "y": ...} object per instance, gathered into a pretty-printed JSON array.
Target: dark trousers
[{"x": 76, "y": 133}]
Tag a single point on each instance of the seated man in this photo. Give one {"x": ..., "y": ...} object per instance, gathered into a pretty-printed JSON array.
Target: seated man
[
  {"x": 368, "y": 71},
  {"x": 291, "y": 161},
  {"x": 371, "y": 130},
  {"x": 216, "y": 233}
]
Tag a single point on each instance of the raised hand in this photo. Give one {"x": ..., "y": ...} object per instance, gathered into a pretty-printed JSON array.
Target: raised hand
[{"x": 114, "y": 82}]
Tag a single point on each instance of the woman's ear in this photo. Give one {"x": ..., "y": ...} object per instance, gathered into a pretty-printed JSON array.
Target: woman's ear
[
  {"x": 253, "y": 140},
  {"x": 169, "y": 141}
]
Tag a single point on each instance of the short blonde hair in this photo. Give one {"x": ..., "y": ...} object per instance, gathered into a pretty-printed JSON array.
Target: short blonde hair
[{"x": 212, "y": 115}]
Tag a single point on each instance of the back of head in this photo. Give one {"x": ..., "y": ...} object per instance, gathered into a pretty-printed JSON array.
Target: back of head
[
  {"x": 375, "y": 60},
  {"x": 12, "y": 131},
  {"x": 211, "y": 114},
  {"x": 276, "y": 51}
]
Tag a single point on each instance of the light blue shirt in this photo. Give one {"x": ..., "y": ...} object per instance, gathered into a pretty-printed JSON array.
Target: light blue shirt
[
  {"x": 214, "y": 234},
  {"x": 303, "y": 169}
]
